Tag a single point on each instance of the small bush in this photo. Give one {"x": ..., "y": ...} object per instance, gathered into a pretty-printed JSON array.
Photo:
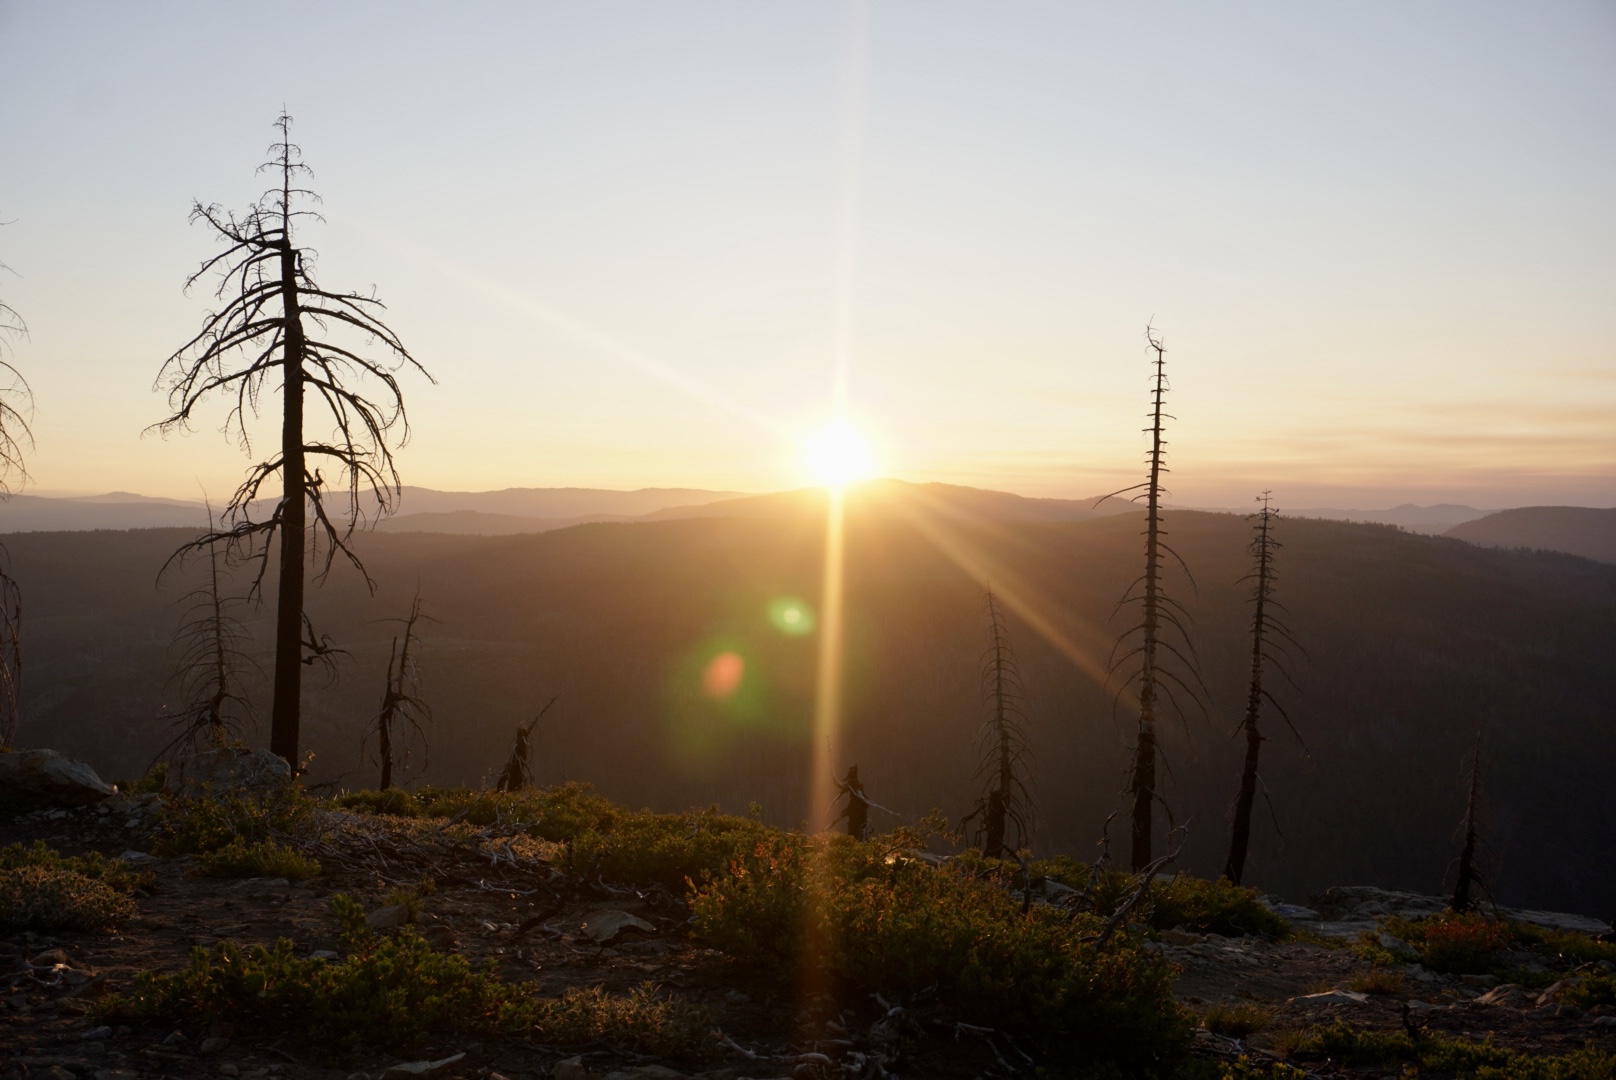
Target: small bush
[
  {"x": 266, "y": 858},
  {"x": 1236, "y": 1021},
  {"x": 1466, "y": 944},
  {"x": 1566, "y": 944},
  {"x": 641, "y": 1021},
  {"x": 114, "y": 873},
  {"x": 1350, "y": 1045},
  {"x": 1377, "y": 981},
  {"x": 198, "y": 826},
  {"x": 397, "y": 992},
  {"x": 395, "y": 802},
  {"x": 879, "y": 923},
  {"x": 1590, "y": 990},
  {"x": 1196, "y": 904},
  {"x": 49, "y": 898}
]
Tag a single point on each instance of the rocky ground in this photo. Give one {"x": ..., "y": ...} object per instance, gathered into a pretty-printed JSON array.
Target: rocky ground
[{"x": 620, "y": 938}]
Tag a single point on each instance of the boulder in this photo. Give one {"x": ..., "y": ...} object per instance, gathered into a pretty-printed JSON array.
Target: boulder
[
  {"x": 37, "y": 779},
  {"x": 422, "y": 1070},
  {"x": 230, "y": 770},
  {"x": 604, "y": 926}
]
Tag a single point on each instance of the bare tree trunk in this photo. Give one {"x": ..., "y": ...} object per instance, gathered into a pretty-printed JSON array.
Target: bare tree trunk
[
  {"x": 285, "y": 713},
  {"x": 1467, "y": 854},
  {"x": 1240, "y": 838},
  {"x": 1144, "y": 761}
]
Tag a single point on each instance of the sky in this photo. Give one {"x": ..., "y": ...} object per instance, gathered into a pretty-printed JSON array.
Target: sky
[{"x": 660, "y": 244}]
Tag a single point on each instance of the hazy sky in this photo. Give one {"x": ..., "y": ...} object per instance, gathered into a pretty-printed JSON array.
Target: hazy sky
[{"x": 1379, "y": 238}]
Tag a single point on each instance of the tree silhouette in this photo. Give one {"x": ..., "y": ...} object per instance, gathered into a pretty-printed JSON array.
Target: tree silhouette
[
  {"x": 1468, "y": 878},
  {"x": 1002, "y": 749},
  {"x": 212, "y": 658},
  {"x": 518, "y": 772},
  {"x": 16, "y": 402},
  {"x": 404, "y": 711},
  {"x": 1142, "y": 650},
  {"x": 1269, "y": 639},
  {"x": 278, "y": 321}
]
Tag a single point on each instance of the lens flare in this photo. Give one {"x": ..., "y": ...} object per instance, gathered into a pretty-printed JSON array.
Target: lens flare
[
  {"x": 792, "y": 617},
  {"x": 722, "y": 675},
  {"x": 838, "y": 455}
]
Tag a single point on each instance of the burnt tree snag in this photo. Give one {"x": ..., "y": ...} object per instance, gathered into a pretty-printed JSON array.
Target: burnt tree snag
[
  {"x": 211, "y": 661},
  {"x": 1461, "y": 901},
  {"x": 403, "y": 711},
  {"x": 1002, "y": 748},
  {"x": 518, "y": 772},
  {"x": 1269, "y": 639},
  {"x": 279, "y": 322},
  {"x": 16, "y": 403},
  {"x": 1142, "y": 650}
]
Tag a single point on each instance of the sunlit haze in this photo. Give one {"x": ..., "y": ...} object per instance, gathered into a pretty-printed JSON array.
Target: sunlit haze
[{"x": 655, "y": 244}]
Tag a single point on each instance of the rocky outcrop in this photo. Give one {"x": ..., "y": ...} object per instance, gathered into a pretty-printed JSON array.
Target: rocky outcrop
[
  {"x": 44, "y": 779},
  {"x": 228, "y": 770}
]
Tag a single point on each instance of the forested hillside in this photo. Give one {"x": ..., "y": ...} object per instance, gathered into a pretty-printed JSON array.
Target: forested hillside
[{"x": 1412, "y": 641}]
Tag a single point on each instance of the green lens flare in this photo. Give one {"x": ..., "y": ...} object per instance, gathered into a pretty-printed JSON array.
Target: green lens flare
[{"x": 791, "y": 616}]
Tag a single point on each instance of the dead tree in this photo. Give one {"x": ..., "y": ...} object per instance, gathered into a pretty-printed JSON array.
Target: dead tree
[
  {"x": 518, "y": 772},
  {"x": 16, "y": 403},
  {"x": 1467, "y": 879},
  {"x": 857, "y": 810},
  {"x": 1143, "y": 651},
  {"x": 1002, "y": 748},
  {"x": 212, "y": 660},
  {"x": 403, "y": 712},
  {"x": 278, "y": 322},
  {"x": 1270, "y": 639}
]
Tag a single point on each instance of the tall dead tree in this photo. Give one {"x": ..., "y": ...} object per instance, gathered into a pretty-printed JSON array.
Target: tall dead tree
[
  {"x": 1005, "y": 804},
  {"x": 277, "y": 321},
  {"x": 1270, "y": 638},
  {"x": 211, "y": 664},
  {"x": 1143, "y": 650},
  {"x": 16, "y": 403},
  {"x": 404, "y": 712},
  {"x": 1466, "y": 880}
]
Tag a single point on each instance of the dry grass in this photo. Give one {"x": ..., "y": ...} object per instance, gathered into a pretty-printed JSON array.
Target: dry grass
[
  {"x": 1236, "y": 1021},
  {"x": 1377, "y": 981}
]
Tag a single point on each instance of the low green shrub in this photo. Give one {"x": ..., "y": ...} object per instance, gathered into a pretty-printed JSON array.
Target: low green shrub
[
  {"x": 1236, "y": 1021},
  {"x": 198, "y": 826},
  {"x": 395, "y": 802},
  {"x": 1350, "y": 1045},
  {"x": 264, "y": 858},
  {"x": 1467, "y": 944},
  {"x": 875, "y": 921},
  {"x": 1588, "y": 990},
  {"x": 398, "y": 991},
  {"x": 114, "y": 873},
  {"x": 1197, "y": 904},
  {"x": 1566, "y": 944},
  {"x": 47, "y": 899},
  {"x": 554, "y": 813}
]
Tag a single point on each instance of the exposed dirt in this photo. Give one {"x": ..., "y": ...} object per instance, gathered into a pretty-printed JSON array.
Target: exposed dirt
[{"x": 48, "y": 1026}]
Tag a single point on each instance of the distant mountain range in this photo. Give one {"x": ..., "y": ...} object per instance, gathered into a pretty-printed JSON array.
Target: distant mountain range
[{"x": 1575, "y": 530}]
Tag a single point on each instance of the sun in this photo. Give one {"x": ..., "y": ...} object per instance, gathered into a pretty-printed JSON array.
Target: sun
[{"x": 838, "y": 455}]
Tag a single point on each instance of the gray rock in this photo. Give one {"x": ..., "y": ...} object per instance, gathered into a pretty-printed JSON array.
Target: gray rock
[
  {"x": 421, "y": 1070},
  {"x": 1294, "y": 912},
  {"x": 213, "y": 1044},
  {"x": 389, "y": 917},
  {"x": 323, "y": 954},
  {"x": 1605, "y": 1021},
  {"x": 1395, "y": 945},
  {"x": 606, "y": 925},
  {"x": 570, "y": 1069},
  {"x": 37, "y": 779},
  {"x": 438, "y": 936},
  {"x": 227, "y": 770}
]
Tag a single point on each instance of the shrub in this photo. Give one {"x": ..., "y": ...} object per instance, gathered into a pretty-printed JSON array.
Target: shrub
[
  {"x": 1590, "y": 990},
  {"x": 47, "y": 898},
  {"x": 674, "y": 850},
  {"x": 398, "y": 992},
  {"x": 265, "y": 858},
  {"x": 115, "y": 873},
  {"x": 1566, "y": 944},
  {"x": 1196, "y": 904},
  {"x": 1377, "y": 981},
  {"x": 198, "y": 826},
  {"x": 1236, "y": 1021},
  {"x": 1350, "y": 1045},
  {"x": 878, "y": 922},
  {"x": 395, "y": 802},
  {"x": 1465, "y": 944}
]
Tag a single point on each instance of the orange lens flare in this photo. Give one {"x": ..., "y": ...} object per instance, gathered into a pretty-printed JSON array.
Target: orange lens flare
[{"x": 722, "y": 676}]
